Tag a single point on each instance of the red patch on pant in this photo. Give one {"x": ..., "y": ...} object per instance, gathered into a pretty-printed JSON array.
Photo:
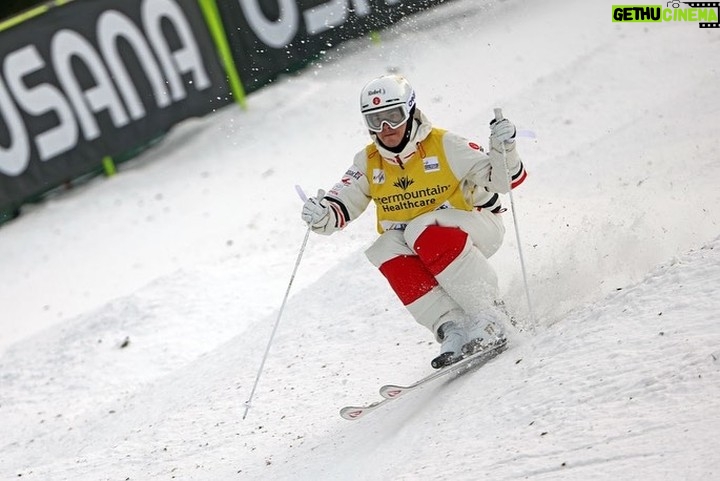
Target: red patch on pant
[
  {"x": 408, "y": 277},
  {"x": 438, "y": 246}
]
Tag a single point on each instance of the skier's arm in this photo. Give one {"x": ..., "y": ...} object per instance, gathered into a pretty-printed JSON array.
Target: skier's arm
[
  {"x": 507, "y": 168},
  {"x": 484, "y": 170},
  {"x": 343, "y": 203},
  {"x": 503, "y": 166}
]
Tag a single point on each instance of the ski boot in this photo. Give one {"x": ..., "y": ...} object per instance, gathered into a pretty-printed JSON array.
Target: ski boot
[
  {"x": 484, "y": 332},
  {"x": 454, "y": 338}
]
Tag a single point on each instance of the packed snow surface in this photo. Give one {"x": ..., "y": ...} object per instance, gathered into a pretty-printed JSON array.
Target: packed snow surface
[{"x": 135, "y": 310}]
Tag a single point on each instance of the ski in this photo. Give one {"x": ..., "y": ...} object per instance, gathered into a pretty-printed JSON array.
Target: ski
[
  {"x": 352, "y": 413},
  {"x": 390, "y": 392}
]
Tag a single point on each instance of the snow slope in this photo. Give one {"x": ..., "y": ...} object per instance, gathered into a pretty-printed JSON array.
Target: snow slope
[{"x": 135, "y": 310}]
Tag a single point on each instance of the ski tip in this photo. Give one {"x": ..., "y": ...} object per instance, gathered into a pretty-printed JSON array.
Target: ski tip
[
  {"x": 391, "y": 391},
  {"x": 352, "y": 413}
]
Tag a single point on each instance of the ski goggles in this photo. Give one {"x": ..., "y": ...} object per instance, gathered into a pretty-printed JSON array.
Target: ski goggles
[{"x": 393, "y": 116}]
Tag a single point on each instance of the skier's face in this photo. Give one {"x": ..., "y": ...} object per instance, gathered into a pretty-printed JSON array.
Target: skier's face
[{"x": 391, "y": 137}]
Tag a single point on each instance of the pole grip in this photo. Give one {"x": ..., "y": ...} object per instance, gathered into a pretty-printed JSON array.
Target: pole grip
[
  {"x": 498, "y": 114},
  {"x": 300, "y": 193}
]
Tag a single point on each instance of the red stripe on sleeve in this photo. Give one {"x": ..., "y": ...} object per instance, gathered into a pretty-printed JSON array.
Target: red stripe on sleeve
[{"x": 520, "y": 179}]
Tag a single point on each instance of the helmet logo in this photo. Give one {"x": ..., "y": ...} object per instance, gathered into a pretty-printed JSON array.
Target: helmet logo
[{"x": 376, "y": 100}]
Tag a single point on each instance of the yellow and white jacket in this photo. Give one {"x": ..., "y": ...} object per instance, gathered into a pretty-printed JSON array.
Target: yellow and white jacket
[{"x": 437, "y": 170}]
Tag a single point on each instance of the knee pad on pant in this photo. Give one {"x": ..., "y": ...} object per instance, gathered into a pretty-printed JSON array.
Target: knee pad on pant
[
  {"x": 408, "y": 277},
  {"x": 438, "y": 246}
]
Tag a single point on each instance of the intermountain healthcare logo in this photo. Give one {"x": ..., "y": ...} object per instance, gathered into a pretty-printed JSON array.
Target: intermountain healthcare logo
[
  {"x": 403, "y": 183},
  {"x": 704, "y": 12},
  {"x": 413, "y": 199}
]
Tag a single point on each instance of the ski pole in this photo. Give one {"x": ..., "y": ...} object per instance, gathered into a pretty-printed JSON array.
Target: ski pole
[
  {"x": 282, "y": 308},
  {"x": 499, "y": 117}
]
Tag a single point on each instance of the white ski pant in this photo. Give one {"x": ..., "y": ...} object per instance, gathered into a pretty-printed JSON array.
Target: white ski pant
[{"x": 439, "y": 263}]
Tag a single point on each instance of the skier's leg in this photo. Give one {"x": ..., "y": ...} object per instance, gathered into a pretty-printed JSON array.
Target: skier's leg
[
  {"x": 454, "y": 246},
  {"x": 415, "y": 286}
]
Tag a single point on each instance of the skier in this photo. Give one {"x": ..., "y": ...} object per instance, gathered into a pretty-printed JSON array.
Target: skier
[{"x": 438, "y": 215}]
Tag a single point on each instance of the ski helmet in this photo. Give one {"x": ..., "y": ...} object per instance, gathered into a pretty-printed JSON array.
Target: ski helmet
[{"x": 388, "y": 99}]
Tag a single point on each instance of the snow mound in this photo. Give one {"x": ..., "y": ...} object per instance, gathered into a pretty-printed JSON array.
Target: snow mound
[{"x": 629, "y": 384}]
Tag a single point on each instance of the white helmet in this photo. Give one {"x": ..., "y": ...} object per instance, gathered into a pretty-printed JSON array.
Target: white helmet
[{"x": 388, "y": 99}]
